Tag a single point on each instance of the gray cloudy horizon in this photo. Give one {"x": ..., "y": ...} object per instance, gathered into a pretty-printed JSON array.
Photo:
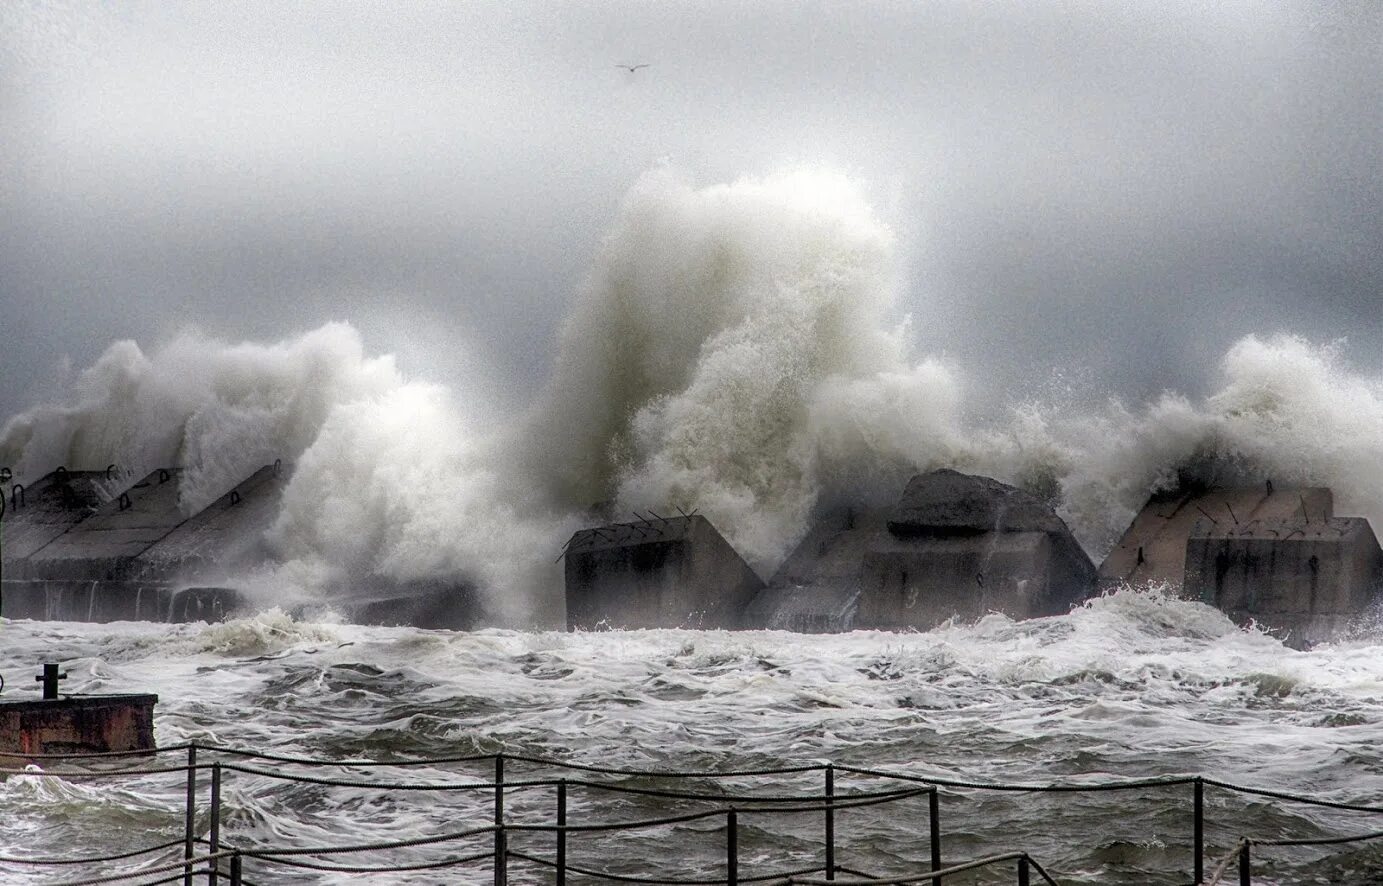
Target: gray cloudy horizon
[{"x": 1110, "y": 194}]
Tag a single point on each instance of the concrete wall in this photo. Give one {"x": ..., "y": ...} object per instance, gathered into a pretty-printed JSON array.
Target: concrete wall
[
  {"x": 221, "y": 539},
  {"x": 1153, "y": 548},
  {"x": 677, "y": 572},
  {"x": 1307, "y": 579}
]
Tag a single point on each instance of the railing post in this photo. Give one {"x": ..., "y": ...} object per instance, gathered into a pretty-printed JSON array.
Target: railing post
[
  {"x": 190, "y": 813},
  {"x": 235, "y": 873},
  {"x": 1024, "y": 876},
  {"x": 934, "y": 829},
  {"x": 1198, "y": 829},
  {"x": 562, "y": 834},
  {"x": 1245, "y": 865},
  {"x": 215, "y": 822},
  {"x": 830, "y": 821},
  {"x": 501, "y": 849},
  {"x": 732, "y": 848}
]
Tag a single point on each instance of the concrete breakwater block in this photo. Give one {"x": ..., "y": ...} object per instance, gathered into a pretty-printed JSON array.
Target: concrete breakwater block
[
  {"x": 955, "y": 545},
  {"x": 222, "y": 538},
  {"x": 657, "y": 573},
  {"x": 817, "y": 588},
  {"x": 961, "y": 546},
  {"x": 1152, "y": 550},
  {"x": 72, "y": 555},
  {"x": 1309, "y": 578},
  {"x": 438, "y": 604}
]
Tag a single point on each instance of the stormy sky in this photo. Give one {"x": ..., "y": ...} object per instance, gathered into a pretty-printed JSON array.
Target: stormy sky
[{"x": 1097, "y": 194}]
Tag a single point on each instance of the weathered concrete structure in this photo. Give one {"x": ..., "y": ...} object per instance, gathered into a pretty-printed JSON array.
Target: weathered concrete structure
[
  {"x": 960, "y": 546},
  {"x": 954, "y": 546},
  {"x": 133, "y": 556},
  {"x": 441, "y": 604},
  {"x": 1307, "y": 579},
  {"x": 817, "y": 588},
  {"x": 656, "y": 573},
  {"x": 77, "y": 547},
  {"x": 46, "y": 509},
  {"x": 75, "y": 724},
  {"x": 1153, "y": 548},
  {"x": 1277, "y": 557},
  {"x": 78, "y": 724}
]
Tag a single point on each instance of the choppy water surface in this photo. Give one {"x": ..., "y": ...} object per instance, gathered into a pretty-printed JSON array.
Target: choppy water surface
[{"x": 1130, "y": 685}]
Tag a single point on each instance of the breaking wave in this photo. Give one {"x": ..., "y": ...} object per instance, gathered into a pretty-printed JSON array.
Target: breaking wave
[{"x": 738, "y": 349}]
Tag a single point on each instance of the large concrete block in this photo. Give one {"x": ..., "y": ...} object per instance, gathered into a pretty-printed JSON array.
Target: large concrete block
[
  {"x": 817, "y": 588},
  {"x": 947, "y": 502},
  {"x": 93, "y": 601},
  {"x": 1309, "y": 579},
  {"x": 1153, "y": 548},
  {"x": 962, "y": 546},
  {"x": 660, "y": 573}
]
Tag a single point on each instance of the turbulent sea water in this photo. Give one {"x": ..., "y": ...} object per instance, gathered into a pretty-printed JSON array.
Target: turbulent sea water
[
  {"x": 740, "y": 349},
  {"x": 1131, "y": 684}
]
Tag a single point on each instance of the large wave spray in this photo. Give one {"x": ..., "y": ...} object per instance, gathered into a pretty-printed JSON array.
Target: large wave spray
[
  {"x": 736, "y": 349},
  {"x": 714, "y": 359}
]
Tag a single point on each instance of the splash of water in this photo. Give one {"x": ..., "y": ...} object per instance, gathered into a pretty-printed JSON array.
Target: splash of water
[{"x": 734, "y": 350}]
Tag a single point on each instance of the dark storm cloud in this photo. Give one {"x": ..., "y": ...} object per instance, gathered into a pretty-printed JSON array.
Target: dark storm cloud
[{"x": 1117, "y": 191}]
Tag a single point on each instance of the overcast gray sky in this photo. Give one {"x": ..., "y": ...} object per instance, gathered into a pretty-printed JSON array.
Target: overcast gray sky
[{"x": 1113, "y": 192}]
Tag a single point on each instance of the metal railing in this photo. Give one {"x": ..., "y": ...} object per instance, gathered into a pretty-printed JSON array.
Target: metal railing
[{"x": 210, "y": 856}]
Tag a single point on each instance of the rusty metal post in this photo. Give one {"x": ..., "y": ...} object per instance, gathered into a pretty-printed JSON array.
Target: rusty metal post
[
  {"x": 1198, "y": 829},
  {"x": 1024, "y": 876},
  {"x": 501, "y": 849},
  {"x": 190, "y": 819},
  {"x": 235, "y": 872},
  {"x": 934, "y": 829},
  {"x": 830, "y": 821},
  {"x": 562, "y": 834},
  {"x": 215, "y": 834},
  {"x": 1245, "y": 865},
  {"x": 732, "y": 848}
]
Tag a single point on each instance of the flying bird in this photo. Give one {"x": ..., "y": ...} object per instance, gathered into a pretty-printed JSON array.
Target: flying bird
[{"x": 631, "y": 68}]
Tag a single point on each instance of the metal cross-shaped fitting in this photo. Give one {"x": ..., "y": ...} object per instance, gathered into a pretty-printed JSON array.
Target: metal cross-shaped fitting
[{"x": 49, "y": 678}]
